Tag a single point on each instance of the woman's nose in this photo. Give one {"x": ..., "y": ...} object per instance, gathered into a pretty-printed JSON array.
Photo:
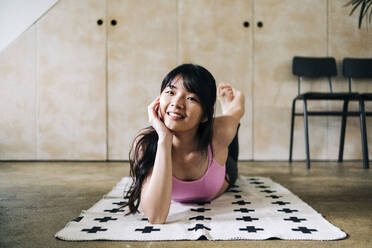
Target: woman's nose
[{"x": 178, "y": 102}]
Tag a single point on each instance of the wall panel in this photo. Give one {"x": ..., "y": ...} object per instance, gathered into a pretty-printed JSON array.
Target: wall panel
[
  {"x": 211, "y": 33},
  {"x": 289, "y": 28},
  {"x": 346, "y": 40},
  {"x": 17, "y": 98},
  {"x": 142, "y": 49},
  {"x": 71, "y": 87}
]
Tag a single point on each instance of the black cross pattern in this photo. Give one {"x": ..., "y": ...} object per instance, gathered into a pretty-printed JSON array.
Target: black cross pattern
[
  {"x": 251, "y": 229},
  {"x": 294, "y": 219},
  {"x": 200, "y": 217},
  {"x": 144, "y": 219},
  {"x": 78, "y": 219},
  {"x": 255, "y": 182},
  {"x": 268, "y": 191},
  {"x": 114, "y": 210},
  {"x": 241, "y": 202},
  {"x": 119, "y": 203},
  {"x": 274, "y": 196},
  {"x": 247, "y": 218},
  {"x": 105, "y": 219},
  {"x": 200, "y": 210},
  {"x": 281, "y": 203},
  {"x": 238, "y": 196},
  {"x": 147, "y": 229},
  {"x": 263, "y": 187},
  {"x": 199, "y": 226},
  {"x": 304, "y": 230},
  {"x": 244, "y": 210},
  {"x": 235, "y": 186},
  {"x": 94, "y": 229},
  {"x": 253, "y": 179},
  {"x": 202, "y": 203},
  {"x": 287, "y": 210}
]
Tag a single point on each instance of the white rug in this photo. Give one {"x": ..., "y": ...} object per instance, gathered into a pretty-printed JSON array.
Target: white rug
[{"x": 256, "y": 209}]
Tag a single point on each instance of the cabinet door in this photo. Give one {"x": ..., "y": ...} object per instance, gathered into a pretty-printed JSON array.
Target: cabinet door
[
  {"x": 289, "y": 28},
  {"x": 71, "y": 89},
  {"x": 142, "y": 48},
  {"x": 212, "y": 34},
  {"x": 17, "y": 98},
  {"x": 346, "y": 40}
]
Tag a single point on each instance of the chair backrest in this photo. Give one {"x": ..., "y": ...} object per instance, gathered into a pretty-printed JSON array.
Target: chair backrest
[
  {"x": 356, "y": 68},
  {"x": 314, "y": 67}
]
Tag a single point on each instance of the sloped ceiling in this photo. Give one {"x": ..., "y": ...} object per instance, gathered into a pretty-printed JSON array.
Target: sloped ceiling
[{"x": 18, "y": 15}]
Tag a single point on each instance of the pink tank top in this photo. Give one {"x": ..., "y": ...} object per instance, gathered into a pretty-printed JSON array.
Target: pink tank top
[{"x": 202, "y": 189}]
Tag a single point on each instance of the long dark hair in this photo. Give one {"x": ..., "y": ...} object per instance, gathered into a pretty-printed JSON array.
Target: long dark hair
[{"x": 197, "y": 80}]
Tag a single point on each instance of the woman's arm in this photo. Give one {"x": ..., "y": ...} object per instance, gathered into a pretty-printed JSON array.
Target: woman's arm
[{"x": 156, "y": 191}]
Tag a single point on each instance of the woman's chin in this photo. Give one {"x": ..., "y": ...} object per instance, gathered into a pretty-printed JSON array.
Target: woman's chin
[
  {"x": 173, "y": 126},
  {"x": 170, "y": 126}
]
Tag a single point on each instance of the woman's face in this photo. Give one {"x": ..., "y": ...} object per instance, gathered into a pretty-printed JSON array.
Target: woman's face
[{"x": 180, "y": 109}]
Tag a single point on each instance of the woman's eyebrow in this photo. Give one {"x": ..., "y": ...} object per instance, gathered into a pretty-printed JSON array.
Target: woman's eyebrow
[{"x": 171, "y": 86}]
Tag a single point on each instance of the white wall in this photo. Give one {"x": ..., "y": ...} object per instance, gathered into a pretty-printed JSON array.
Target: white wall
[{"x": 18, "y": 15}]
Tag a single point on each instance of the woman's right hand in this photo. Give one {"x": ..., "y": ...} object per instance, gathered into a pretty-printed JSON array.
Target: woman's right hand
[{"x": 157, "y": 123}]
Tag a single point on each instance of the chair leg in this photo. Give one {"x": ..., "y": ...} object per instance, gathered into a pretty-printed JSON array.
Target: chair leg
[
  {"x": 363, "y": 130},
  {"x": 292, "y": 127},
  {"x": 306, "y": 135},
  {"x": 343, "y": 129}
]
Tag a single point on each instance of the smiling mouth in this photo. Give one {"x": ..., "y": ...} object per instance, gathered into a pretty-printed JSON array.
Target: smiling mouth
[{"x": 175, "y": 116}]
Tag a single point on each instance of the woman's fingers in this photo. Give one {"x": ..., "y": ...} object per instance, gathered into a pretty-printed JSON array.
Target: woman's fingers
[
  {"x": 223, "y": 88},
  {"x": 153, "y": 112},
  {"x": 156, "y": 121},
  {"x": 239, "y": 96},
  {"x": 153, "y": 109}
]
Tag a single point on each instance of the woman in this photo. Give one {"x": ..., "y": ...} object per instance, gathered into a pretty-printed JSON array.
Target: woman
[{"x": 186, "y": 155}]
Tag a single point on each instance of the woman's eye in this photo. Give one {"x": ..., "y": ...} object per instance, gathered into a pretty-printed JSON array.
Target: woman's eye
[
  {"x": 169, "y": 92},
  {"x": 192, "y": 99}
]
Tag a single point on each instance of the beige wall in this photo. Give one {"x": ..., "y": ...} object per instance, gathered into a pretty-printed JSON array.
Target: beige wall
[
  {"x": 18, "y": 98},
  {"x": 211, "y": 33},
  {"x": 71, "y": 82},
  {"x": 289, "y": 28},
  {"x": 345, "y": 41},
  {"x": 141, "y": 49},
  {"x": 72, "y": 89}
]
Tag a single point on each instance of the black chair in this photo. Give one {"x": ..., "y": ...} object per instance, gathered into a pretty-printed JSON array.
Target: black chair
[
  {"x": 311, "y": 67},
  {"x": 359, "y": 69}
]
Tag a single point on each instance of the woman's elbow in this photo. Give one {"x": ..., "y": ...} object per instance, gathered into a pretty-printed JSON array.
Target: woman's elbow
[
  {"x": 154, "y": 217},
  {"x": 156, "y": 220}
]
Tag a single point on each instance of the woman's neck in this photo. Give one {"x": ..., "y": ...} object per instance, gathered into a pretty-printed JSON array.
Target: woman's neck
[{"x": 184, "y": 143}]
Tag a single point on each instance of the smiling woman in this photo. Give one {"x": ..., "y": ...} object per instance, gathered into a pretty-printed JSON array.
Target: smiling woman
[
  {"x": 184, "y": 155},
  {"x": 179, "y": 108}
]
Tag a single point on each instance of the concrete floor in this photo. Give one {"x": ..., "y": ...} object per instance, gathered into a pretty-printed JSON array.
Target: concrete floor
[{"x": 37, "y": 199}]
